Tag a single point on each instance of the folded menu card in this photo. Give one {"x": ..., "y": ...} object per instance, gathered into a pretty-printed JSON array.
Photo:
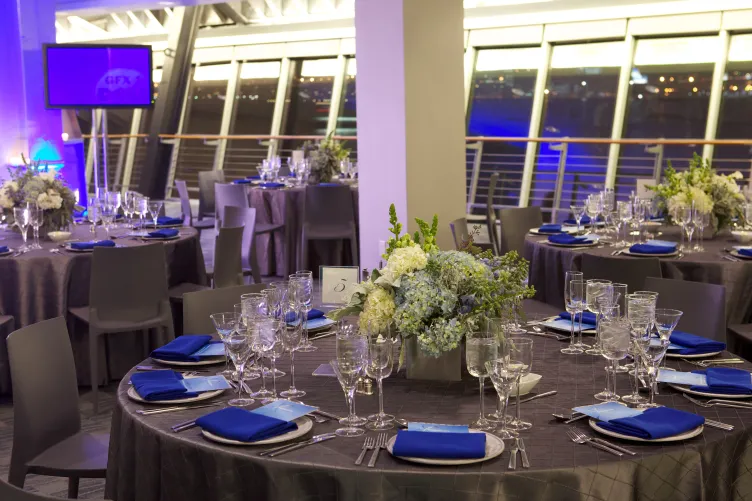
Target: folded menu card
[{"x": 441, "y": 428}]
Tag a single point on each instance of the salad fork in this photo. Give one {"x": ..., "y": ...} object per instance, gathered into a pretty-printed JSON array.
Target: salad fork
[
  {"x": 596, "y": 440},
  {"x": 368, "y": 445},
  {"x": 380, "y": 444},
  {"x": 718, "y": 403},
  {"x": 574, "y": 437},
  {"x": 707, "y": 363}
]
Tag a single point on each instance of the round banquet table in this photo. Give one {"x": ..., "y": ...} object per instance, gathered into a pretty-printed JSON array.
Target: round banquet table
[
  {"x": 39, "y": 285},
  {"x": 279, "y": 253},
  {"x": 548, "y": 264},
  {"x": 148, "y": 462}
]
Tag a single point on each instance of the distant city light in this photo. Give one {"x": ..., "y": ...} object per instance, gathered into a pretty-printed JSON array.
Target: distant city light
[
  {"x": 662, "y": 79},
  {"x": 691, "y": 79},
  {"x": 631, "y": 82},
  {"x": 584, "y": 83},
  {"x": 639, "y": 96},
  {"x": 694, "y": 89},
  {"x": 545, "y": 91},
  {"x": 672, "y": 79}
]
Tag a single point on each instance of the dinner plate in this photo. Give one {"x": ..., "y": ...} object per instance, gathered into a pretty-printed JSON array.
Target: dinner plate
[
  {"x": 566, "y": 329},
  {"x": 698, "y": 355},
  {"x": 70, "y": 249},
  {"x": 687, "y": 389},
  {"x": 147, "y": 238},
  {"x": 494, "y": 448},
  {"x": 674, "y": 438},
  {"x": 176, "y": 363},
  {"x": 160, "y": 226},
  {"x": 564, "y": 229},
  {"x": 304, "y": 426},
  {"x": 587, "y": 244},
  {"x": 735, "y": 253},
  {"x": 10, "y": 251},
  {"x": 198, "y": 398},
  {"x": 626, "y": 252}
]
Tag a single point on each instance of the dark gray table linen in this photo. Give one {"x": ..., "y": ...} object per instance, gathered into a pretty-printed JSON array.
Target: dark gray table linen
[
  {"x": 280, "y": 254},
  {"x": 40, "y": 285},
  {"x": 548, "y": 264},
  {"x": 150, "y": 463}
]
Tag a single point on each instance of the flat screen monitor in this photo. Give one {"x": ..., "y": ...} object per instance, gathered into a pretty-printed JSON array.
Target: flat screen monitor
[{"x": 98, "y": 76}]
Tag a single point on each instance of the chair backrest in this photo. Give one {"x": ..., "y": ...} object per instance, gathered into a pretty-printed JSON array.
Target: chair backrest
[
  {"x": 228, "y": 267},
  {"x": 229, "y": 194},
  {"x": 704, "y": 305},
  {"x": 197, "y": 306},
  {"x": 630, "y": 271},
  {"x": 493, "y": 235},
  {"x": 515, "y": 223},
  {"x": 246, "y": 217},
  {"x": 12, "y": 493},
  {"x": 206, "y": 181},
  {"x": 45, "y": 391},
  {"x": 329, "y": 206},
  {"x": 459, "y": 231},
  {"x": 129, "y": 283},
  {"x": 185, "y": 201}
]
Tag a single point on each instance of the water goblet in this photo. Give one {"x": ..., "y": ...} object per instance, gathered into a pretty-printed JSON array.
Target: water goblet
[
  {"x": 292, "y": 338},
  {"x": 304, "y": 280},
  {"x": 225, "y": 323},
  {"x": 504, "y": 372},
  {"x": 481, "y": 347},
  {"x": 379, "y": 366},
  {"x": 614, "y": 343},
  {"x": 348, "y": 371},
  {"x": 624, "y": 210},
  {"x": 351, "y": 350},
  {"x": 36, "y": 219},
  {"x": 571, "y": 307},
  {"x": 22, "y": 218},
  {"x": 702, "y": 221},
  {"x": 155, "y": 207},
  {"x": 640, "y": 310},
  {"x": 238, "y": 344},
  {"x": 607, "y": 314},
  {"x": 598, "y": 293},
  {"x": 521, "y": 349},
  {"x": 593, "y": 208},
  {"x": 274, "y": 329}
]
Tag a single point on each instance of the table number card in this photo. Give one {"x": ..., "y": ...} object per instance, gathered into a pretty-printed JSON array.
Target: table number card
[{"x": 337, "y": 283}]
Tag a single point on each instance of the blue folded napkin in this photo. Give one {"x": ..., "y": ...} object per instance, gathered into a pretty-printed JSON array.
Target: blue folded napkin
[
  {"x": 651, "y": 249},
  {"x": 567, "y": 239},
  {"x": 745, "y": 252},
  {"x": 436, "y": 445},
  {"x": 254, "y": 178},
  {"x": 658, "y": 422},
  {"x": 243, "y": 426},
  {"x": 588, "y": 317},
  {"x": 242, "y": 181},
  {"x": 584, "y": 220},
  {"x": 272, "y": 185},
  {"x": 160, "y": 385},
  {"x": 312, "y": 315},
  {"x": 550, "y": 228},
  {"x": 164, "y": 233},
  {"x": 725, "y": 380},
  {"x": 181, "y": 349},
  {"x": 329, "y": 184},
  {"x": 4, "y": 249},
  {"x": 694, "y": 345},
  {"x": 164, "y": 220},
  {"x": 91, "y": 245}
]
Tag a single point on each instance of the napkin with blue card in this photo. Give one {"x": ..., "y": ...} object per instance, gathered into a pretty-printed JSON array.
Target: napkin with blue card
[
  {"x": 170, "y": 385},
  {"x": 315, "y": 319},
  {"x": 647, "y": 424},
  {"x": 189, "y": 348},
  {"x": 164, "y": 233},
  {"x": 715, "y": 380},
  {"x": 439, "y": 441},
  {"x": 567, "y": 239},
  {"x": 263, "y": 423},
  {"x": 91, "y": 245},
  {"x": 684, "y": 343},
  {"x": 654, "y": 247}
]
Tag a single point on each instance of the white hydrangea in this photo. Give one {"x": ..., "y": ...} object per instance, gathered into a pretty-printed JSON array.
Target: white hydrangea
[
  {"x": 404, "y": 260},
  {"x": 48, "y": 176},
  {"x": 378, "y": 310},
  {"x": 5, "y": 200},
  {"x": 702, "y": 200},
  {"x": 50, "y": 200}
]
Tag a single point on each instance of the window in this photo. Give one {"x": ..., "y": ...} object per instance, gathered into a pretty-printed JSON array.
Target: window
[
  {"x": 310, "y": 96},
  {"x": 347, "y": 117},
  {"x": 140, "y": 156}
]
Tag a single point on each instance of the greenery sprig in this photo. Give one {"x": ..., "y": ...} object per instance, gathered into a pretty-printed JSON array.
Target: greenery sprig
[{"x": 425, "y": 233}]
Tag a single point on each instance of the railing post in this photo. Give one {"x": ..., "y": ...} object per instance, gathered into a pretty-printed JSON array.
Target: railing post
[
  {"x": 562, "y": 148},
  {"x": 657, "y": 150},
  {"x": 620, "y": 109},
  {"x": 227, "y": 110},
  {"x": 117, "y": 180},
  {"x": 132, "y": 144},
  {"x": 478, "y": 147},
  {"x": 283, "y": 86}
]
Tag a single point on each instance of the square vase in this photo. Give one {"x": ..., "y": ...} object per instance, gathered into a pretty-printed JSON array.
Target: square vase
[{"x": 445, "y": 367}]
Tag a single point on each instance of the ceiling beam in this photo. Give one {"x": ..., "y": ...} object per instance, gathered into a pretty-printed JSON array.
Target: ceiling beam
[
  {"x": 228, "y": 12},
  {"x": 86, "y": 25},
  {"x": 274, "y": 7}
]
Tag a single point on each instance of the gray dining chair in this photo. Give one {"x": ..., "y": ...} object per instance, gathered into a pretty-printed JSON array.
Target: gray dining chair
[
  {"x": 185, "y": 206},
  {"x": 7, "y": 325},
  {"x": 704, "y": 305},
  {"x": 229, "y": 194},
  {"x": 127, "y": 292},
  {"x": 197, "y": 306},
  {"x": 9, "y": 492},
  {"x": 245, "y": 217},
  {"x": 47, "y": 435},
  {"x": 491, "y": 214},
  {"x": 459, "y": 231},
  {"x": 630, "y": 271},
  {"x": 515, "y": 223},
  {"x": 739, "y": 340},
  {"x": 328, "y": 214},
  {"x": 206, "y": 181}
]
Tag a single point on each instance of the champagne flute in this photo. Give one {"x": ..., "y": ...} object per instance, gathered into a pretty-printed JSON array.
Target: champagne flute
[
  {"x": 379, "y": 366},
  {"x": 607, "y": 314},
  {"x": 142, "y": 208},
  {"x": 598, "y": 292},
  {"x": 351, "y": 349},
  {"x": 522, "y": 350},
  {"x": 36, "y": 218},
  {"x": 481, "y": 347},
  {"x": 92, "y": 214},
  {"x": 292, "y": 338},
  {"x": 569, "y": 277}
]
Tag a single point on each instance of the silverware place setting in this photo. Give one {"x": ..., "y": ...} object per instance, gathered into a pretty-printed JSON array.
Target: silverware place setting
[
  {"x": 380, "y": 444},
  {"x": 368, "y": 444},
  {"x": 599, "y": 440},
  {"x": 718, "y": 361},
  {"x": 513, "y": 454},
  {"x": 299, "y": 445},
  {"x": 523, "y": 453},
  {"x": 580, "y": 438},
  {"x": 539, "y": 395},
  {"x": 165, "y": 410}
]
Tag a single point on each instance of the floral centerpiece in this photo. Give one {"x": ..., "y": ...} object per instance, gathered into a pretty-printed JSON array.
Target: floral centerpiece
[
  {"x": 31, "y": 183},
  {"x": 436, "y": 296},
  {"x": 701, "y": 185},
  {"x": 324, "y": 157}
]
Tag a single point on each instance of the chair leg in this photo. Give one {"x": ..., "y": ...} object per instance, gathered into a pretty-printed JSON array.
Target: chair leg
[
  {"x": 73, "y": 487},
  {"x": 304, "y": 253},
  {"x": 354, "y": 250},
  {"x": 93, "y": 365}
]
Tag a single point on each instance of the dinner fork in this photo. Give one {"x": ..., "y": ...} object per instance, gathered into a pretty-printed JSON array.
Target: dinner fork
[
  {"x": 707, "y": 363},
  {"x": 718, "y": 403},
  {"x": 368, "y": 445},
  {"x": 587, "y": 441},
  {"x": 380, "y": 444},
  {"x": 597, "y": 440}
]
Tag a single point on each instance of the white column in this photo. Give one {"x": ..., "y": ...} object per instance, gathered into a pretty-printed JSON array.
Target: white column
[
  {"x": 620, "y": 109},
  {"x": 411, "y": 121},
  {"x": 716, "y": 93}
]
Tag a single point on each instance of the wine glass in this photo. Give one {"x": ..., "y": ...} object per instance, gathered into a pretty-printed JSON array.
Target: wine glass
[
  {"x": 344, "y": 168},
  {"x": 702, "y": 221},
  {"x": 606, "y": 314},
  {"x": 640, "y": 313},
  {"x": 107, "y": 215},
  {"x": 379, "y": 366},
  {"x": 304, "y": 279},
  {"x": 225, "y": 323},
  {"x": 115, "y": 199},
  {"x": 36, "y": 218},
  {"x": 273, "y": 297},
  {"x": 348, "y": 371},
  {"x": 571, "y": 307},
  {"x": 261, "y": 347},
  {"x": 614, "y": 341},
  {"x": 129, "y": 207},
  {"x": 292, "y": 338},
  {"x": 687, "y": 216},
  {"x": 481, "y": 347},
  {"x": 598, "y": 293},
  {"x": 651, "y": 354},
  {"x": 92, "y": 214},
  {"x": 273, "y": 328},
  {"x": 21, "y": 216},
  {"x": 624, "y": 210},
  {"x": 351, "y": 349},
  {"x": 593, "y": 208},
  {"x": 521, "y": 348},
  {"x": 666, "y": 320},
  {"x": 142, "y": 209},
  {"x": 238, "y": 344},
  {"x": 375, "y": 331},
  {"x": 578, "y": 211},
  {"x": 504, "y": 372},
  {"x": 155, "y": 207}
]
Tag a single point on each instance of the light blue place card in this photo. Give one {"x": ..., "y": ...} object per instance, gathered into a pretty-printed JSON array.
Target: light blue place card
[
  {"x": 324, "y": 370},
  {"x": 207, "y": 383},
  {"x": 677, "y": 377},
  {"x": 438, "y": 428},
  {"x": 285, "y": 410},
  {"x": 565, "y": 325},
  {"x": 674, "y": 347},
  {"x": 211, "y": 350},
  {"x": 608, "y": 411},
  {"x": 661, "y": 243}
]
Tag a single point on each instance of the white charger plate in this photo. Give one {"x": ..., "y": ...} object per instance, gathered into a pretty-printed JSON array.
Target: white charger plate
[
  {"x": 159, "y": 239},
  {"x": 698, "y": 355},
  {"x": 626, "y": 252},
  {"x": 725, "y": 396},
  {"x": 674, "y": 438},
  {"x": 198, "y": 398},
  {"x": 10, "y": 251},
  {"x": 304, "y": 426},
  {"x": 209, "y": 361},
  {"x": 494, "y": 448},
  {"x": 587, "y": 244}
]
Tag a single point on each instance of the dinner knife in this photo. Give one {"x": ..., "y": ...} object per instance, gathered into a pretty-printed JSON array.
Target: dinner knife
[
  {"x": 540, "y": 395},
  {"x": 267, "y": 452},
  {"x": 315, "y": 440},
  {"x": 149, "y": 412}
]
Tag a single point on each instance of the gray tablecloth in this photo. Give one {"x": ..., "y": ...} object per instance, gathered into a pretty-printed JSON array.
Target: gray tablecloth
[
  {"x": 148, "y": 462},
  {"x": 548, "y": 264},
  {"x": 280, "y": 255},
  {"x": 40, "y": 285}
]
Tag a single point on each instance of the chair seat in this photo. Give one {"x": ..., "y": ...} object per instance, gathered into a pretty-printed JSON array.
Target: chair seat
[
  {"x": 176, "y": 293},
  {"x": 203, "y": 224},
  {"x": 81, "y": 455},
  {"x": 83, "y": 312},
  {"x": 268, "y": 227},
  {"x": 739, "y": 339}
]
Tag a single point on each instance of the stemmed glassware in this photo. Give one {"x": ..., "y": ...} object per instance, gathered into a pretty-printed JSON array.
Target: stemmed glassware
[
  {"x": 344, "y": 168},
  {"x": 522, "y": 350},
  {"x": 598, "y": 293},
  {"x": 688, "y": 214},
  {"x": 614, "y": 341},
  {"x": 481, "y": 347},
  {"x": 36, "y": 218},
  {"x": 92, "y": 214},
  {"x": 142, "y": 208},
  {"x": 640, "y": 315},
  {"x": 593, "y": 207},
  {"x": 504, "y": 372},
  {"x": 348, "y": 366},
  {"x": 625, "y": 216},
  {"x": 702, "y": 221},
  {"x": 620, "y": 292},
  {"x": 238, "y": 344},
  {"x": 292, "y": 338},
  {"x": 107, "y": 215},
  {"x": 305, "y": 296},
  {"x": 665, "y": 321},
  {"x": 274, "y": 329},
  {"x": 573, "y": 305},
  {"x": 129, "y": 207},
  {"x": 638, "y": 211},
  {"x": 225, "y": 323},
  {"x": 607, "y": 316},
  {"x": 379, "y": 366},
  {"x": 155, "y": 207},
  {"x": 21, "y": 216},
  {"x": 578, "y": 211},
  {"x": 651, "y": 354}
]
